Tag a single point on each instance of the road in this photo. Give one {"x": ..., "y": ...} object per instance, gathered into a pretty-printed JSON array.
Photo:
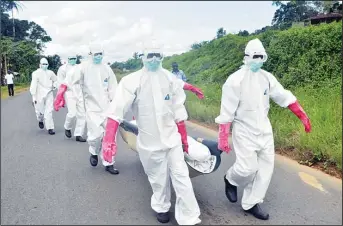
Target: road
[{"x": 48, "y": 180}]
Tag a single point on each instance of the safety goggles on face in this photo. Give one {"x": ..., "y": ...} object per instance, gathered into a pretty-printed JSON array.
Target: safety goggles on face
[
  {"x": 72, "y": 58},
  {"x": 258, "y": 56},
  {"x": 151, "y": 56},
  {"x": 45, "y": 64},
  {"x": 97, "y": 54}
]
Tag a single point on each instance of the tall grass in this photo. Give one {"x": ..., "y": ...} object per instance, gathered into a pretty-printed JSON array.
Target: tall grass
[{"x": 323, "y": 106}]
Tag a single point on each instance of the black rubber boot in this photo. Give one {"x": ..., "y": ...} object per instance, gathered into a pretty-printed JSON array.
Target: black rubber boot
[
  {"x": 51, "y": 131},
  {"x": 80, "y": 139},
  {"x": 67, "y": 132},
  {"x": 163, "y": 217},
  {"x": 230, "y": 191},
  {"x": 111, "y": 170},
  {"x": 257, "y": 212},
  {"x": 93, "y": 160},
  {"x": 41, "y": 125}
]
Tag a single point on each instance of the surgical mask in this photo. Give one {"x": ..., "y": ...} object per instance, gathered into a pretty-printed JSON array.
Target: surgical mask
[
  {"x": 72, "y": 61},
  {"x": 97, "y": 59},
  {"x": 255, "y": 66},
  {"x": 44, "y": 67},
  {"x": 152, "y": 65}
]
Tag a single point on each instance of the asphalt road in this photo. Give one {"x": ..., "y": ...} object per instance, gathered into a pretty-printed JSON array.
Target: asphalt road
[{"x": 48, "y": 180}]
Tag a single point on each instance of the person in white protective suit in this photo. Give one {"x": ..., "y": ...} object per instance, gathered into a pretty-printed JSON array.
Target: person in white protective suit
[
  {"x": 245, "y": 105},
  {"x": 98, "y": 85},
  {"x": 74, "y": 101},
  {"x": 157, "y": 101},
  {"x": 43, "y": 83}
]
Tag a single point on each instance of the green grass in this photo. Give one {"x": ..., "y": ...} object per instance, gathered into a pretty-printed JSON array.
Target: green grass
[
  {"x": 322, "y": 105},
  {"x": 17, "y": 89}
]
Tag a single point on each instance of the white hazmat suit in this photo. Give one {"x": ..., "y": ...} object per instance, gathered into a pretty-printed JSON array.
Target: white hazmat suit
[
  {"x": 98, "y": 84},
  {"x": 157, "y": 101},
  {"x": 74, "y": 101},
  {"x": 245, "y": 103},
  {"x": 43, "y": 83}
]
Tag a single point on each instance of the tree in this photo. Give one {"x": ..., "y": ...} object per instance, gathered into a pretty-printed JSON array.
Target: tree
[
  {"x": 293, "y": 11},
  {"x": 54, "y": 62},
  {"x": 196, "y": 46},
  {"x": 9, "y": 5},
  {"x": 221, "y": 33},
  {"x": 243, "y": 33},
  {"x": 20, "y": 56},
  {"x": 38, "y": 35}
]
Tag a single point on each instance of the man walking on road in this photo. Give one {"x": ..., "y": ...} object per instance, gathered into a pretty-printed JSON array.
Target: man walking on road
[
  {"x": 245, "y": 105},
  {"x": 10, "y": 85},
  {"x": 42, "y": 84},
  {"x": 98, "y": 86},
  {"x": 157, "y": 100},
  {"x": 74, "y": 101}
]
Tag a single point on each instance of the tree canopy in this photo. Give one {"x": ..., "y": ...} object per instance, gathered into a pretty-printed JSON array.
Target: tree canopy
[{"x": 22, "y": 44}]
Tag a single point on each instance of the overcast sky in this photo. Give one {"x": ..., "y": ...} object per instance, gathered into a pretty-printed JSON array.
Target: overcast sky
[{"x": 123, "y": 26}]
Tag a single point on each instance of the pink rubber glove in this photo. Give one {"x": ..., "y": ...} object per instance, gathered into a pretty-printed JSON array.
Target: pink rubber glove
[
  {"x": 59, "y": 99},
  {"x": 300, "y": 113},
  {"x": 193, "y": 89},
  {"x": 181, "y": 127},
  {"x": 109, "y": 146},
  {"x": 223, "y": 137}
]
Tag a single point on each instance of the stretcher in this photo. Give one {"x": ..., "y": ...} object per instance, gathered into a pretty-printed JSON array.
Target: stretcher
[{"x": 203, "y": 158}]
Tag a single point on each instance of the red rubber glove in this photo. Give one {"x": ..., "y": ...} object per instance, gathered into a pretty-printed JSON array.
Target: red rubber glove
[
  {"x": 109, "y": 146},
  {"x": 181, "y": 127},
  {"x": 223, "y": 137},
  {"x": 300, "y": 113},
  {"x": 59, "y": 99},
  {"x": 193, "y": 89}
]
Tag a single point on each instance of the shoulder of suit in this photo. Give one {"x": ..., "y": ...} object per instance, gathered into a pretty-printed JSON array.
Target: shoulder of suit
[
  {"x": 267, "y": 74},
  {"x": 235, "y": 78},
  {"x": 132, "y": 76},
  {"x": 168, "y": 73},
  {"x": 35, "y": 72}
]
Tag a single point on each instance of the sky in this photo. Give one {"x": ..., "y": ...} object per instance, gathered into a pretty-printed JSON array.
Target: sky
[{"x": 123, "y": 27}]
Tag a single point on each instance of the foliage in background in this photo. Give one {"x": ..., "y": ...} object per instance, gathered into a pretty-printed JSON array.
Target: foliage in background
[
  {"x": 131, "y": 64},
  {"x": 297, "y": 56},
  {"x": 22, "y": 44}
]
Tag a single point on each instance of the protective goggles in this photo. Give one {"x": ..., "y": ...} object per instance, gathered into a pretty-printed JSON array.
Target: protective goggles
[
  {"x": 72, "y": 58},
  {"x": 258, "y": 56},
  {"x": 151, "y": 56},
  {"x": 98, "y": 54},
  {"x": 44, "y": 64}
]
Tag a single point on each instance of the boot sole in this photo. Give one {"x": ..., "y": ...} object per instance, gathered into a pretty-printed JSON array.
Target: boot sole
[
  {"x": 114, "y": 173},
  {"x": 163, "y": 222},
  {"x": 260, "y": 218}
]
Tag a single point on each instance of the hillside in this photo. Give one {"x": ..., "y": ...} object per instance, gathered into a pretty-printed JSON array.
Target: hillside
[{"x": 306, "y": 60}]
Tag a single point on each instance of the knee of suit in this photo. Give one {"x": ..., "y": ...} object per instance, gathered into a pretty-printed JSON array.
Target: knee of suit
[{"x": 246, "y": 170}]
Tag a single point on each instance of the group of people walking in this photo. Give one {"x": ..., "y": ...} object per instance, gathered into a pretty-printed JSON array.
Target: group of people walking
[{"x": 156, "y": 97}]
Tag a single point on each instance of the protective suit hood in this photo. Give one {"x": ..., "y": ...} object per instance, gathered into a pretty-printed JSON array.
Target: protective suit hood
[
  {"x": 254, "y": 47},
  {"x": 152, "y": 56}
]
